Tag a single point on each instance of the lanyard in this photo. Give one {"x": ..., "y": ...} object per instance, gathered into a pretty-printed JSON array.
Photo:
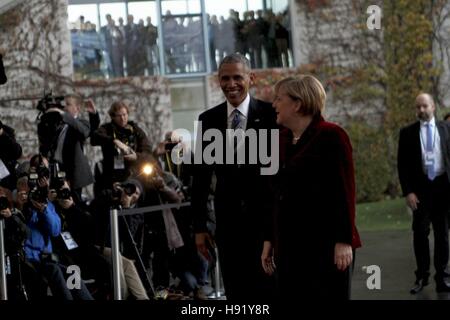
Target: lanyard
[{"x": 432, "y": 144}]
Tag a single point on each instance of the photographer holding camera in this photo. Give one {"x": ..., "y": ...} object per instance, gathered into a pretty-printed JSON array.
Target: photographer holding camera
[
  {"x": 44, "y": 223},
  {"x": 16, "y": 233},
  {"x": 123, "y": 143},
  {"x": 76, "y": 243},
  {"x": 68, "y": 149},
  {"x": 10, "y": 151}
]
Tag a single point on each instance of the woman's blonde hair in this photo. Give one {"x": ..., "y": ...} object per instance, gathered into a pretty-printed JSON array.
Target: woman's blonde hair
[{"x": 308, "y": 90}]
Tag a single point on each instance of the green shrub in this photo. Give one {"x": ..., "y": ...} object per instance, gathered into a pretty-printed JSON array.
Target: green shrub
[{"x": 370, "y": 156}]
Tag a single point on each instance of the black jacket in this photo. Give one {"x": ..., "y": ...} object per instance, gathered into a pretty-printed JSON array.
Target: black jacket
[
  {"x": 409, "y": 161},
  {"x": 10, "y": 152}
]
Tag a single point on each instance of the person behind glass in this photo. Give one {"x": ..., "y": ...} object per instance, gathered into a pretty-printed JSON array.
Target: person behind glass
[
  {"x": 44, "y": 223},
  {"x": 239, "y": 194},
  {"x": 314, "y": 204},
  {"x": 424, "y": 171},
  {"x": 10, "y": 152},
  {"x": 69, "y": 149},
  {"x": 123, "y": 142}
]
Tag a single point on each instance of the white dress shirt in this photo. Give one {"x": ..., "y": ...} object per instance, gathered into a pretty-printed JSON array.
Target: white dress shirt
[{"x": 436, "y": 142}]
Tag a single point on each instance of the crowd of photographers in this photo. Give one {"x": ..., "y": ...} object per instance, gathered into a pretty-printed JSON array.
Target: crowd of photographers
[{"x": 52, "y": 226}]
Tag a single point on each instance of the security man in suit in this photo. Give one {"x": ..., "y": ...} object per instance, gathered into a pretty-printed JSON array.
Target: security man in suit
[
  {"x": 424, "y": 172},
  {"x": 239, "y": 192}
]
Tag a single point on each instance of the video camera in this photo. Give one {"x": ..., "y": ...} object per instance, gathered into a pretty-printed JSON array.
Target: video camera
[
  {"x": 64, "y": 194},
  {"x": 49, "y": 101}
]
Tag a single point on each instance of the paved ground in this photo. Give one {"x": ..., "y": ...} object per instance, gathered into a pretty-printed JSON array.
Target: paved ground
[{"x": 392, "y": 251}]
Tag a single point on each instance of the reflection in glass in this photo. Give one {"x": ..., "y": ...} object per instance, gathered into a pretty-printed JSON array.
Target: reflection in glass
[
  {"x": 145, "y": 13},
  {"x": 263, "y": 36},
  {"x": 183, "y": 43}
]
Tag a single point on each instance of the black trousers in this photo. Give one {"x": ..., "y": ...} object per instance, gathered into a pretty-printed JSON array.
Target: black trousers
[{"x": 432, "y": 210}]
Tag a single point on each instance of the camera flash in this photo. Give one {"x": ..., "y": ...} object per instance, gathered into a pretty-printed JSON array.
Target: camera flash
[{"x": 148, "y": 169}]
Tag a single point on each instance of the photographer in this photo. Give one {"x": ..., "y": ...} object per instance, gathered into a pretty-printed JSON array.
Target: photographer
[
  {"x": 123, "y": 144},
  {"x": 75, "y": 244},
  {"x": 16, "y": 233},
  {"x": 10, "y": 151},
  {"x": 68, "y": 149},
  {"x": 44, "y": 223}
]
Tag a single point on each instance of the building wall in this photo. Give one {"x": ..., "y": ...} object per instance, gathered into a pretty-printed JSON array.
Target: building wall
[{"x": 35, "y": 42}]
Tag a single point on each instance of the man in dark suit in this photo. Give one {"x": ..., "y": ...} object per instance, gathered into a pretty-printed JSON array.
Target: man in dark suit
[
  {"x": 239, "y": 192},
  {"x": 424, "y": 172},
  {"x": 68, "y": 150}
]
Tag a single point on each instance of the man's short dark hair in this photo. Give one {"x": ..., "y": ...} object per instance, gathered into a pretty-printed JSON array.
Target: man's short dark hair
[{"x": 236, "y": 58}]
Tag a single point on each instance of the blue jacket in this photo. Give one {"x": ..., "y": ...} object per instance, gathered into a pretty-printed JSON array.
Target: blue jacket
[{"x": 42, "y": 227}]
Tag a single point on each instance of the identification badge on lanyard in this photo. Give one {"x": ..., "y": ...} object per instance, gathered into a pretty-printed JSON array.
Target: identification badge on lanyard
[
  {"x": 429, "y": 158},
  {"x": 119, "y": 162},
  {"x": 68, "y": 240}
]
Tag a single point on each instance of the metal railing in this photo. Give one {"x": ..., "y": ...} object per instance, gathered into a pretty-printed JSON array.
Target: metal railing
[{"x": 116, "y": 256}]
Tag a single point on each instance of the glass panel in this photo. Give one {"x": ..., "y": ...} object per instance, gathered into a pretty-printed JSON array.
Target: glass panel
[
  {"x": 262, "y": 36},
  {"x": 112, "y": 17},
  {"x": 183, "y": 43},
  {"x": 142, "y": 54},
  {"x": 181, "y": 6},
  {"x": 87, "y": 48}
]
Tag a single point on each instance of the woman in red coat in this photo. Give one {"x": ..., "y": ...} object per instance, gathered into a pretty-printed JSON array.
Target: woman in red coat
[{"x": 313, "y": 235}]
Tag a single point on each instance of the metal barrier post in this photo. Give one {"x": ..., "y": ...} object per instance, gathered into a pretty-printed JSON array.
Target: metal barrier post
[
  {"x": 115, "y": 253},
  {"x": 4, "y": 291},
  {"x": 217, "y": 275}
]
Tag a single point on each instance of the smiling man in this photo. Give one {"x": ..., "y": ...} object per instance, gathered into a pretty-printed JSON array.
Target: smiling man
[{"x": 239, "y": 192}]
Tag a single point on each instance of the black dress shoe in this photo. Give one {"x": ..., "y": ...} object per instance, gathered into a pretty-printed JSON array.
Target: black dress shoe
[
  {"x": 442, "y": 287},
  {"x": 418, "y": 286}
]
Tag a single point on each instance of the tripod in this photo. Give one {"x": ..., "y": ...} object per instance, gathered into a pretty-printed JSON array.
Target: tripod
[{"x": 138, "y": 255}]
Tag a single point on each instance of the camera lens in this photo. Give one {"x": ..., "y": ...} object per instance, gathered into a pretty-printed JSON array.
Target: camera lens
[{"x": 4, "y": 203}]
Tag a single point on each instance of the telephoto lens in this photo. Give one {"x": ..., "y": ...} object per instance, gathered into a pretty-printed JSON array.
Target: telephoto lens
[
  {"x": 4, "y": 203},
  {"x": 64, "y": 194}
]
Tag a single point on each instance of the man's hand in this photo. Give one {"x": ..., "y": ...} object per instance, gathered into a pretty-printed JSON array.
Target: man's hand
[
  {"x": 90, "y": 106},
  {"x": 412, "y": 201},
  {"x": 267, "y": 260},
  {"x": 201, "y": 241},
  {"x": 39, "y": 206},
  {"x": 130, "y": 156},
  {"x": 1, "y": 131},
  {"x": 6, "y": 213},
  {"x": 43, "y": 182},
  {"x": 343, "y": 255}
]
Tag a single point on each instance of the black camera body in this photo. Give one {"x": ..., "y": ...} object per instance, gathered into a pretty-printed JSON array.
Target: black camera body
[
  {"x": 128, "y": 188},
  {"x": 49, "y": 101},
  {"x": 38, "y": 194},
  {"x": 64, "y": 194},
  {"x": 4, "y": 203}
]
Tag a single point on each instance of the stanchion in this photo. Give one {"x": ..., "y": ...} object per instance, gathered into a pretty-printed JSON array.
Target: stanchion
[
  {"x": 115, "y": 253},
  {"x": 217, "y": 275},
  {"x": 4, "y": 291}
]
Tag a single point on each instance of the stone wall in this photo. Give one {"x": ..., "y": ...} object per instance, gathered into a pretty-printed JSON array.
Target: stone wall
[{"x": 35, "y": 41}]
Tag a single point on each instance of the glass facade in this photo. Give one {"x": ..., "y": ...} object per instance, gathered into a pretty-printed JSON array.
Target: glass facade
[{"x": 123, "y": 38}]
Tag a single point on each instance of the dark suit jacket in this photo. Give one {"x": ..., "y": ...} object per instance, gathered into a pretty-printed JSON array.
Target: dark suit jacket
[
  {"x": 239, "y": 191},
  {"x": 76, "y": 164},
  {"x": 409, "y": 160}
]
